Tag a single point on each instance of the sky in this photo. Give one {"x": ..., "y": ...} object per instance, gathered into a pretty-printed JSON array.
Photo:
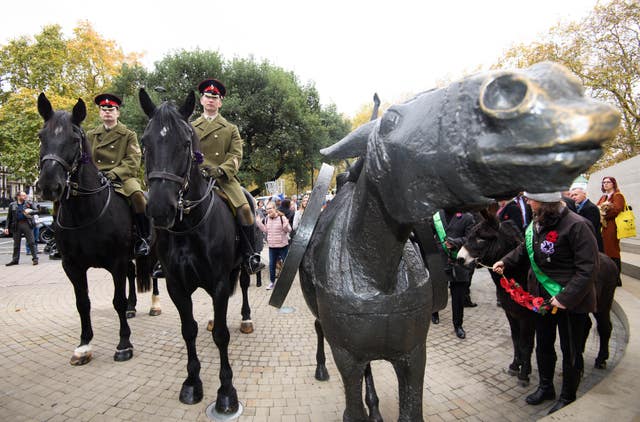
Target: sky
[{"x": 348, "y": 48}]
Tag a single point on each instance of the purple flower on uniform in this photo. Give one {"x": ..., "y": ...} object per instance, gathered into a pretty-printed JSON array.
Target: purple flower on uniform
[
  {"x": 198, "y": 157},
  {"x": 547, "y": 247}
]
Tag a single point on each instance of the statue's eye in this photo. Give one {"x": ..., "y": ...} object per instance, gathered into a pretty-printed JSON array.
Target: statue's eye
[{"x": 389, "y": 122}]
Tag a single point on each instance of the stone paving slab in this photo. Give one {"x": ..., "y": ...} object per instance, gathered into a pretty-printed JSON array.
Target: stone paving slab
[{"x": 273, "y": 367}]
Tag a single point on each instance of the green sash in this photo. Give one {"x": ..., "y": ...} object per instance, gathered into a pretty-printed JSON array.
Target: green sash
[
  {"x": 442, "y": 235},
  {"x": 547, "y": 282}
]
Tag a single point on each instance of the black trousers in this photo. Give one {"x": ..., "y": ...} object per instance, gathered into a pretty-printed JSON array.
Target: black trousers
[
  {"x": 23, "y": 227},
  {"x": 458, "y": 292},
  {"x": 572, "y": 328}
]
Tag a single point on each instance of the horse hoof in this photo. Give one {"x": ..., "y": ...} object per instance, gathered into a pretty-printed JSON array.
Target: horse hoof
[
  {"x": 155, "y": 312},
  {"x": 210, "y": 325},
  {"x": 246, "y": 327},
  {"x": 191, "y": 394},
  {"x": 131, "y": 314},
  {"x": 81, "y": 359},
  {"x": 321, "y": 373},
  {"x": 123, "y": 355},
  {"x": 227, "y": 404},
  {"x": 600, "y": 364}
]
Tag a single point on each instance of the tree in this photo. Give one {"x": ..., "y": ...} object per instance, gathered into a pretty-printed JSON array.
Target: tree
[
  {"x": 603, "y": 50},
  {"x": 66, "y": 69}
]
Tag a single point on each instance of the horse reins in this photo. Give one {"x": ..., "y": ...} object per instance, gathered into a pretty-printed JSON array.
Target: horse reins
[{"x": 74, "y": 188}]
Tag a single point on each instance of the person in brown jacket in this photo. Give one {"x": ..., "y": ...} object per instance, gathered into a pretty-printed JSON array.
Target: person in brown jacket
[
  {"x": 116, "y": 153},
  {"x": 564, "y": 250},
  {"x": 610, "y": 204},
  {"x": 221, "y": 145}
]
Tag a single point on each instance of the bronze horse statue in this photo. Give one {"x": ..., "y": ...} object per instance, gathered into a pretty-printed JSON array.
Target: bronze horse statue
[
  {"x": 93, "y": 223},
  {"x": 488, "y": 135}
]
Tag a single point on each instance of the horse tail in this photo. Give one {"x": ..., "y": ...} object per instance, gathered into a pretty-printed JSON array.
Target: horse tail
[{"x": 144, "y": 265}]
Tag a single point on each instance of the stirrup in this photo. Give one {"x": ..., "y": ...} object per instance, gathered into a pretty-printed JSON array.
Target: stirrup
[{"x": 141, "y": 248}]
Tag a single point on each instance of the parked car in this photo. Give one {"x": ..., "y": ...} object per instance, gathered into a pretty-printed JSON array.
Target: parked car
[{"x": 44, "y": 222}]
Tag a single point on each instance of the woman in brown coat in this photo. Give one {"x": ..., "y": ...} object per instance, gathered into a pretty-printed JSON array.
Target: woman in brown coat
[{"x": 610, "y": 204}]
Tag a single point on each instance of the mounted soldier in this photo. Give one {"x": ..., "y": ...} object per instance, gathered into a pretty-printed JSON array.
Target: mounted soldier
[
  {"x": 221, "y": 144},
  {"x": 116, "y": 153}
]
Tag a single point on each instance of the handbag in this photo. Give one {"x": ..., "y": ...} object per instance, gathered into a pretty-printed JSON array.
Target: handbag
[{"x": 625, "y": 223}]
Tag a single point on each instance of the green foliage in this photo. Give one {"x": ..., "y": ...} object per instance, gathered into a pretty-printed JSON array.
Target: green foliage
[{"x": 603, "y": 51}]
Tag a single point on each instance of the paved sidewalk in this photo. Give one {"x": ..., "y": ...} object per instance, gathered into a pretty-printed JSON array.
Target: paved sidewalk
[{"x": 273, "y": 367}]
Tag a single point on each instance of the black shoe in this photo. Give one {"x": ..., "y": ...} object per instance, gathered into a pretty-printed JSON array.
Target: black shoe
[
  {"x": 435, "y": 318},
  {"x": 560, "y": 404},
  {"x": 35, "y": 262},
  {"x": 253, "y": 264},
  {"x": 469, "y": 304},
  {"x": 11, "y": 263},
  {"x": 460, "y": 332},
  {"x": 157, "y": 271},
  {"x": 540, "y": 395}
]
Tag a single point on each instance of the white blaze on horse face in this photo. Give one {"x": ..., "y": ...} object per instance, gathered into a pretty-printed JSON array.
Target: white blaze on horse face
[
  {"x": 464, "y": 254},
  {"x": 164, "y": 131}
]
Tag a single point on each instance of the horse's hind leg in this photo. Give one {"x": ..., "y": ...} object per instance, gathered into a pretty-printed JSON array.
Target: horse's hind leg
[
  {"x": 351, "y": 372},
  {"x": 410, "y": 372},
  {"x": 132, "y": 300},
  {"x": 321, "y": 369},
  {"x": 370, "y": 395},
  {"x": 78, "y": 276},
  {"x": 191, "y": 391},
  {"x": 603, "y": 320},
  {"x": 156, "y": 309},
  {"x": 227, "y": 398},
  {"x": 124, "y": 350},
  {"x": 246, "y": 326}
]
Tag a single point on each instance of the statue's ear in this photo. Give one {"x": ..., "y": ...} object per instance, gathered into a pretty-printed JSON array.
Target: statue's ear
[
  {"x": 146, "y": 103},
  {"x": 352, "y": 145},
  {"x": 44, "y": 107}
]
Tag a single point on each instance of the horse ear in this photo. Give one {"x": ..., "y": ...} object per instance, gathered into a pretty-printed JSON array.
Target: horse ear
[
  {"x": 352, "y": 145},
  {"x": 79, "y": 112},
  {"x": 189, "y": 104},
  {"x": 146, "y": 103},
  {"x": 44, "y": 107}
]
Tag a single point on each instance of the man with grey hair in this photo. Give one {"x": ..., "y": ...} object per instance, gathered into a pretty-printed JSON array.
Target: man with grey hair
[{"x": 588, "y": 210}]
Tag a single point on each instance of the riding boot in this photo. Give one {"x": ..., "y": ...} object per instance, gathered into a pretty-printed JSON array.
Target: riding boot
[
  {"x": 246, "y": 220},
  {"x": 143, "y": 243}
]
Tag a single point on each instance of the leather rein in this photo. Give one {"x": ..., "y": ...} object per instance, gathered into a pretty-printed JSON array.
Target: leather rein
[
  {"x": 185, "y": 206},
  {"x": 73, "y": 188}
]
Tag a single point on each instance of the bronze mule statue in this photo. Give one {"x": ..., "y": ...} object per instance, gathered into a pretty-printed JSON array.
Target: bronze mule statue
[{"x": 488, "y": 135}]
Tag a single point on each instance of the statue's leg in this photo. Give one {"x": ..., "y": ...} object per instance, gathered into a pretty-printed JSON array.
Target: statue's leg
[
  {"x": 410, "y": 372},
  {"x": 321, "y": 369},
  {"x": 352, "y": 372},
  {"x": 370, "y": 396}
]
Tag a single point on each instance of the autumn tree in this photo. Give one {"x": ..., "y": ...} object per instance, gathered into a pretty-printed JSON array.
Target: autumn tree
[
  {"x": 65, "y": 69},
  {"x": 603, "y": 50}
]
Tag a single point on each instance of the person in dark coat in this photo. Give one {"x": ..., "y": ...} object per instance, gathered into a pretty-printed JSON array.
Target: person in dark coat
[
  {"x": 452, "y": 229},
  {"x": 19, "y": 223},
  {"x": 516, "y": 210},
  {"x": 564, "y": 265},
  {"x": 588, "y": 210}
]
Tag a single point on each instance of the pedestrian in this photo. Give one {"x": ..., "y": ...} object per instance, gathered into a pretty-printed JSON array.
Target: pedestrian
[
  {"x": 221, "y": 145},
  {"x": 452, "y": 229},
  {"x": 277, "y": 229},
  {"x": 19, "y": 223},
  {"x": 611, "y": 203},
  {"x": 561, "y": 248},
  {"x": 298, "y": 215},
  {"x": 588, "y": 210},
  {"x": 116, "y": 153},
  {"x": 258, "y": 244}
]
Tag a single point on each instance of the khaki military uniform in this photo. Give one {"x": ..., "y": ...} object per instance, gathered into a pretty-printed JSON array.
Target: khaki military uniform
[
  {"x": 221, "y": 145},
  {"x": 117, "y": 151}
]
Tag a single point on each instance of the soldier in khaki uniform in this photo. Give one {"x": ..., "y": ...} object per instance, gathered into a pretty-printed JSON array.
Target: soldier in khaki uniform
[
  {"x": 221, "y": 145},
  {"x": 116, "y": 152}
]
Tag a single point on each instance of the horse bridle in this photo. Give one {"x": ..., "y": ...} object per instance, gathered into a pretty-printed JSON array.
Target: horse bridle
[
  {"x": 185, "y": 205},
  {"x": 74, "y": 188}
]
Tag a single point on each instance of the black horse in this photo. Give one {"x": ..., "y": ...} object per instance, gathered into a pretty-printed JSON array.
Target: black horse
[
  {"x": 93, "y": 225},
  {"x": 487, "y": 243},
  {"x": 197, "y": 236}
]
